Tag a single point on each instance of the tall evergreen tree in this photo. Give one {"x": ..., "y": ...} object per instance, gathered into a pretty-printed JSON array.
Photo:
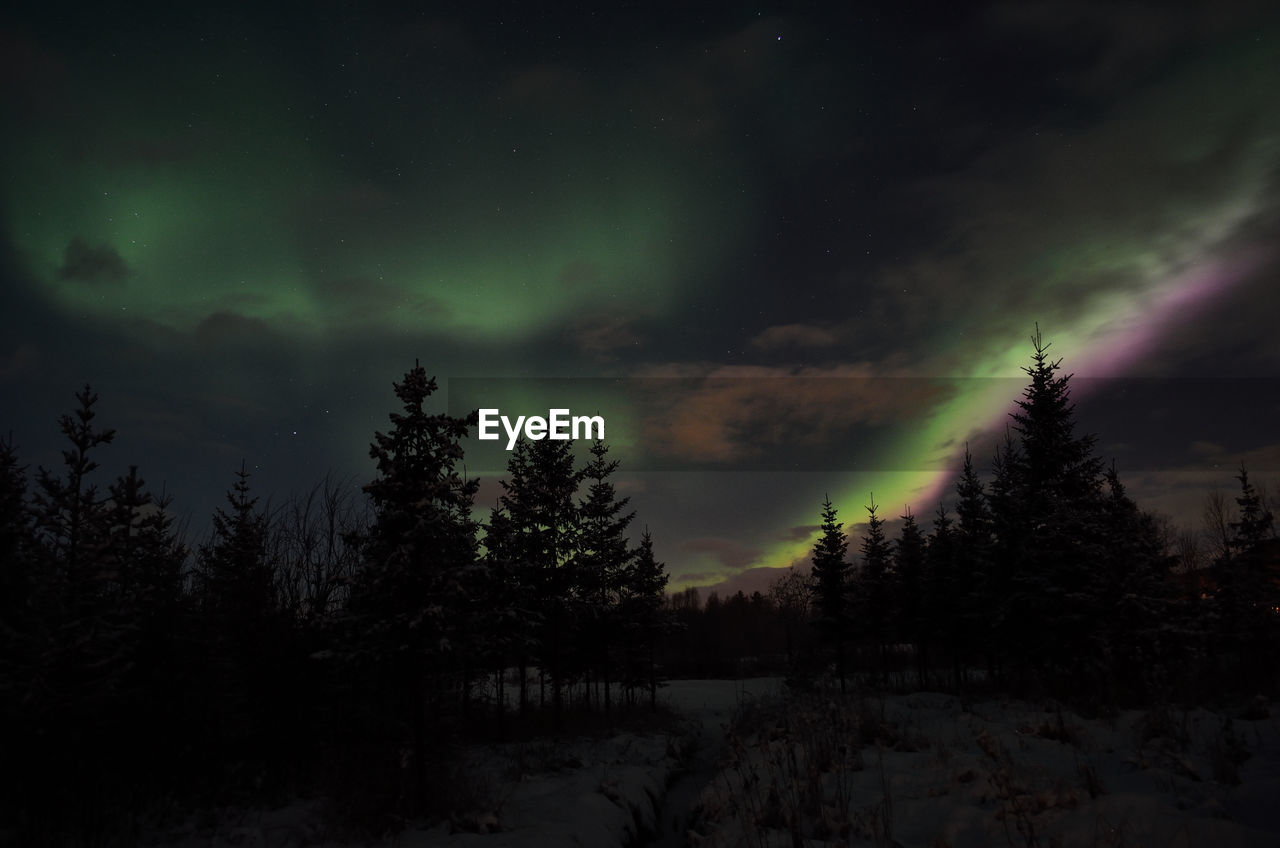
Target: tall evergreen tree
[
  {"x": 510, "y": 627},
  {"x": 829, "y": 580},
  {"x": 980, "y": 586},
  {"x": 1247, "y": 595},
  {"x": 240, "y": 631},
  {"x": 85, "y": 652},
  {"x": 1136, "y": 631},
  {"x": 233, "y": 579},
  {"x": 644, "y": 615},
  {"x": 944, "y": 595},
  {"x": 1061, "y": 488},
  {"x": 875, "y": 588},
  {"x": 20, "y": 623},
  {"x": 600, "y": 565},
  {"x": 539, "y": 492},
  {"x": 414, "y": 598},
  {"x": 909, "y": 588}
]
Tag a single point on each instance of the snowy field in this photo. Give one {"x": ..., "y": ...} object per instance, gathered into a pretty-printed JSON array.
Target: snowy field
[
  {"x": 926, "y": 770},
  {"x": 910, "y": 770}
]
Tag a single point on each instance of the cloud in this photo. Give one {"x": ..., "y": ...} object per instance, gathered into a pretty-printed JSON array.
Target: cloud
[
  {"x": 795, "y": 336},
  {"x": 366, "y": 300},
  {"x": 603, "y": 335},
  {"x": 86, "y": 263},
  {"x": 736, "y": 413},
  {"x": 799, "y": 533},
  {"x": 1080, "y": 223},
  {"x": 222, "y": 328},
  {"x": 751, "y": 580},
  {"x": 20, "y": 362},
  {"x": 730, "y": 553}
]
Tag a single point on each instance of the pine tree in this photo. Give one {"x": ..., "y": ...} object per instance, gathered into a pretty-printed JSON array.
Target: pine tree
[
  {"x": 233, "y": 579},
  {"x": 600, "y": 564},
  {"x": 979, "y": 585},
  {"x": 20, "y": 622},
  {"x": 414, "y": 602},
  {"x": 829, "y": 582},
  {"x": 1049, "y": 522},
  {"x": 1247, "y": 596},
  {"x": 539, "y": 498},
  {"x": 85, "y": 653},
  {"x": 1136, "y": 633},
  {"x": 644, "y": 614},
  {"x": 909, "y": 587},
  {"x": 944, "y": 595},
  {"x": 1005, "y": 610},
  {"x": 239, "y": 631},
  {"x": 510, "y": 627},
  {"x": 874, "y": 585}
]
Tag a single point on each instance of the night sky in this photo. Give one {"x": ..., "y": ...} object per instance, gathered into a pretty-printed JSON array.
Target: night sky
[{"x": 784, "y": 253}]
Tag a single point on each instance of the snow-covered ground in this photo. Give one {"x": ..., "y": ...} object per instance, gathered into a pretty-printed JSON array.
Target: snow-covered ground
[
  {"x": 609, "y": 792},
  {"x": 603, "y": 792},
  {"x": 926, "y": 770},
  {"x": 912, "y": 770}
]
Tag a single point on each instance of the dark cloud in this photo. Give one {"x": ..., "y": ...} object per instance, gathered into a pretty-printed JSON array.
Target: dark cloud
[
  {"x": 20, "y": 362},
  {"x": 230, "y": 328},
  {"x": 86, "y": 263},
  {"x": 731, "y": 414},
  {"x": 799, "y": 533},
  {"x": 785, "y": 336},
  {"x": 732, "y": 554}
]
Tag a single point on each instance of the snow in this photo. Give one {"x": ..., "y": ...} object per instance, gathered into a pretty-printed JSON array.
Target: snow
[
  {"x": 608, "y": 792},
  {"x": 925, "y": 769},
  {"x": 918, "y": 769}
]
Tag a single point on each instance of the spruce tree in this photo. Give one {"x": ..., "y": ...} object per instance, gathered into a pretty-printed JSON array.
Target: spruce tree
[
  {"x": 909, "y": 588},
  {"x": 509, "y": 628},
  {"x": 1247, "y": 596},
  {"x": 239, "y": 629},
  {"x": 86, "y": 650},
  {"x": 875, "y": 588},
  {"x": 1049, "y": 521},
  {"x": 945, "y": 594},
  {"x": 645, "y": 614},
  {"x": 20, "y": 622},
  {"x": 600, "y": 565},
  {"x": 233, "y": 578},
  {"x": 979, "y": 587},
  {"x": 1136, "y": 630},
  {"x": 829, "y": 582},
  {"x": 539, "y": 492},
  {"x": 414, "y": 602}
]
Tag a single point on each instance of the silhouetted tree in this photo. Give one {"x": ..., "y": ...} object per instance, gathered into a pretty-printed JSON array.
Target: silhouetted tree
[
  {"x": 909, "y": 588},
  {"x": 644, "y": 615},
  {"x": 1247, "y": 595},
  {"x": 85, "y": 649},
  {"x": 19, "y": 621},
  {"x": 875, "y": 588},
  {"x": 414, "y": 598},
  {"x": 1138, "y": 632},
  {"x": 600, "y": 566},
  {"x": 946, "y": 594},
  {"x": 829, "y": 584},
  {"x": 538, "y": 496}
]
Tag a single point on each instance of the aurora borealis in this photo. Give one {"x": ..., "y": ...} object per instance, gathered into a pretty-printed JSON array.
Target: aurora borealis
[{"x": 242, "y": 224}]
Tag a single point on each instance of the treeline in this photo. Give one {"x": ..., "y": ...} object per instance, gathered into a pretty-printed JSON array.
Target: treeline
[
  {"x": 341, "y": 643},
  {"x": 1048, "y": 577},
  {"x": 740, "y": 635},
  {"x": 1043, "y": 577}
]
